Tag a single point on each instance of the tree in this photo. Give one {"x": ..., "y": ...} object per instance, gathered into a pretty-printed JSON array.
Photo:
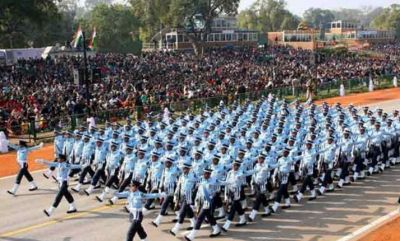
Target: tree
[
  {"x": 116, "y": 26},
  {"x": 268, "y": 16},
  {"x": 389, "y": 19},
  {"x": 14, "y": 16},
  {"x": 188, "y": 13},
  {"x": 316, "y": 16},
  {"x": 153, "y": 15}
]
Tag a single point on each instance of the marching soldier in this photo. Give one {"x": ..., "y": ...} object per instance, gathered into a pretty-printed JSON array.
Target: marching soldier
[
  {"x": 260, "y": 179},
  {"x": 168, "y": 184},
  {"x": 232, "y": 195},
  {"x": 135, "y": 205},
  {"x": 58, "y": 149},
  {"x": 85, "y": 161},
  {"x": 329, "y": 157},
  {"x": 99, "y": 163},
  {"x": 184, "y": 195},
  {"x": 22, "y": 160},
  {"x": 127, "y": 169},
  {"x": 282, "y": 169},
  {"x": 307, "y": 170},
  {"x": 63, "y": 170},
  {"x": 113, "y": 162},
  {"x": 205, "y": 200}
]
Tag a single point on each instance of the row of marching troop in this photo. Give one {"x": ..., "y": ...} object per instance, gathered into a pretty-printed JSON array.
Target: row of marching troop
[{"x": 210, "y": 166}]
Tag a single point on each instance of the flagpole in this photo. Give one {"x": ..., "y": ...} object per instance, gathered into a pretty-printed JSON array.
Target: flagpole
[{"x": 85, "y": 74}]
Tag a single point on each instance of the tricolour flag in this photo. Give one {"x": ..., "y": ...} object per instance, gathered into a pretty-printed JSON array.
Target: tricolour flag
[
  {"x": 78, "y": 38},
  {"x": 93, "y": 40}
]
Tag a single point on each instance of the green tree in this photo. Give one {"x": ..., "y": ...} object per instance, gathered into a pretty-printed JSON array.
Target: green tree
[
  {"x": 316, "y": 16},
  {"x": 153, "y": 15},
  {"x": 188, "y": 14},
  {"x": 14, "y": 16},
  {"x": 116, "y": 26},
  {"x": 268, "y": 16},
  {"x": 389, "y": 19}
]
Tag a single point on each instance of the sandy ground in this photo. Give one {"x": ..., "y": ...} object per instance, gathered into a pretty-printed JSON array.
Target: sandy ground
[{"x": 328, "y": 218}]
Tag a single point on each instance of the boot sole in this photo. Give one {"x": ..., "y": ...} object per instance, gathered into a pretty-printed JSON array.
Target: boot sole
[
  {"x": 47, "y": 214},
  {"x": 11, "y": 193},
  {"x": 72, "y": 211},
  {"x": 33, "y": 189},
  {"x": 213, "y": 235}
]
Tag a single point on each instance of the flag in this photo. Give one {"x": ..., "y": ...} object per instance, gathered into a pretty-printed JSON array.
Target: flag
[
  {"x": 93, "y": 40},
  {"x": 78, "y": 38}
]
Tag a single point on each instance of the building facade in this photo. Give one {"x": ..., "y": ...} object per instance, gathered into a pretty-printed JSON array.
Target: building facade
[{"x": 341, "y": 32}]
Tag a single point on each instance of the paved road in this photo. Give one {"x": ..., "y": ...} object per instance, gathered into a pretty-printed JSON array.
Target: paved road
[{"x": 327, "y": 218}]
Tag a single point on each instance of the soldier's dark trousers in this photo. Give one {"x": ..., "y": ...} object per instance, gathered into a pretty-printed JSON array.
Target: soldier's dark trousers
[
  {"x": 186, "y": 210},
  {"x": 24, "y": 172},
  {"x": 63, "y": 192},
  {"x": 97, "y": 175},
  {"x": 308, "y": 182},
  {"x": 136, "y": 227},
  {"x": 85, "y": 171},
  {"x": 282, "y": 192},
  {"x": 236, "y": 207}
]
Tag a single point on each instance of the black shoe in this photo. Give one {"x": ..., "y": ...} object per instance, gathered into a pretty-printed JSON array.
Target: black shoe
[
  {"x": 286, "y": 207},
  {"x": 187, "y": 239},
  {"x": 33, "y": 189},
  {"x": 223, "y": 229},
  {"x": 174, "y": 220},
  {"x": 264, "y": 215},
  {"x": 347, "y": 184},
  {"x": 97, "y": 187},
  {"x": 330, "y": 190},
  {"x": 319, "y": 192},
  {"x": 54, "y": 178},
  {"x": 72, "y": 211},
  {"x": 154, "y": 224},
  {"x": 45, "y": 176},
  {"x": 45, "y": 212},
  {"x": 110, "y": 202},
  {"x": 312, "y": 198},
  {"x": 170, "y": 231},
  {"x": 296, "y": 199},
  {"x": 189, "y": 228},
  {"x": 219, "y": 217},
  {"x": 398, "y": 200},
  {"x": 338, "y": 186},
  {"x": 271, "y": 210},
  {"x": 98, "y": 199},
  {"x": 86, "y": 192},
  {"x": 212, "y": 235},
  {"x": 86, "y": 183},
  {"x": 250, "y": 219},
  {"x": 241, "y": 224},
  {"x": 11, "y": 193},
  {"x": 73, "y": 189}
]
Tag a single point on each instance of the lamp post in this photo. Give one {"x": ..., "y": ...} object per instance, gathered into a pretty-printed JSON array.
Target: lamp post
[{"x": 85, "y": 74}]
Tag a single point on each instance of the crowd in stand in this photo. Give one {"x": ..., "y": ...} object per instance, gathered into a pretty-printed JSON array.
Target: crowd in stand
[
  {"x": 388, "y": 49},
  {"x": 44, "y": 90}
]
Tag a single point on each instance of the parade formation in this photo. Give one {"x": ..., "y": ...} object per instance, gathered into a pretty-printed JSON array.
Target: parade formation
[{"x": 214, "y": 166}]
